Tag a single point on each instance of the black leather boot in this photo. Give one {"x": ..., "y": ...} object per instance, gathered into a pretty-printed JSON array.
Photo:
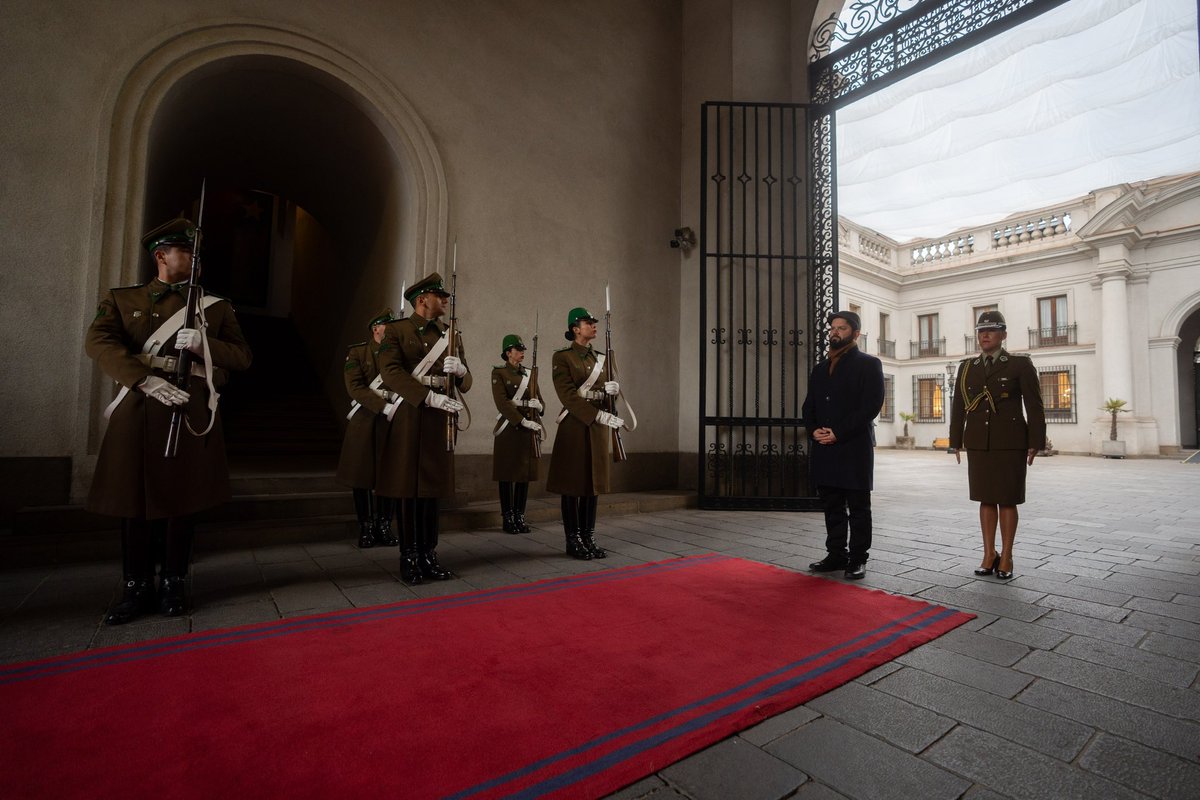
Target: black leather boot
[
  {"x": 362, "y": 510},
  {"x": 172, "y": 594},
  {"x": 137, "y": 566},
  {"x": 587, "y": 526},
  {"x": 410, "y": 569},
  {"x": 427, "y": 540},
  {"x": 383, "y": 522},
  {"x": 177, "y": 558},
  {"x": 520, "y": 497},
  {"x": 506, "y": 507},
  {"x": 137, "y": 598},
  {"x": 570, "y": 515}
]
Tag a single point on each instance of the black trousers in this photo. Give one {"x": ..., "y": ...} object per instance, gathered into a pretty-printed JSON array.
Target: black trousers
[{"x": 847, "y": 516}]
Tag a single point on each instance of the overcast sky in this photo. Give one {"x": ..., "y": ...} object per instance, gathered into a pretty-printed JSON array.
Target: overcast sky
[{"x": 1090, "y": 94}]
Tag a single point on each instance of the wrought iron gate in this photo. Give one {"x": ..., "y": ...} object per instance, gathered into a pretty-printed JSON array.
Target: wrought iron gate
[{"x": 767, "y": 284}]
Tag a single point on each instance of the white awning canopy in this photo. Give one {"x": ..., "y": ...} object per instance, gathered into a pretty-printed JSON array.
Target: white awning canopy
[{"x": 1090, "y": 94}]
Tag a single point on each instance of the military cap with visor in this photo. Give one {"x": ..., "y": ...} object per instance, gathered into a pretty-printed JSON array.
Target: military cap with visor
[
  {"x": 382, "y": 318},
  {"x": 430, "y": 283},
  {"x": 179, "y": 232},
  {"x": 991, "y": 321},
  {"x": 511, "y": 340},
  {"x": 577, "y": 314}
]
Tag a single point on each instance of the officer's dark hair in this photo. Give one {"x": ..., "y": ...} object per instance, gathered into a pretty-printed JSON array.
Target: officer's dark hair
[{"x": 570, "y": 334}]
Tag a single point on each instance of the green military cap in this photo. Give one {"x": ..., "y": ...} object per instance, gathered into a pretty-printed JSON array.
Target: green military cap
[
  {"x": 179, "y": 232},
  {"x": 991, "y": 321},
  {"x": 576, "y": 314},
  {"x": 382, "y": 318},
  {"x": 511, "y": 340},
  {"x": 430, "y": 283}
]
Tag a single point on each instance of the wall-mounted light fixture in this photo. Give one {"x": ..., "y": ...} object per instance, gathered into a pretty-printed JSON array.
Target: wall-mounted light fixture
[{"x": 684, "y": 239}]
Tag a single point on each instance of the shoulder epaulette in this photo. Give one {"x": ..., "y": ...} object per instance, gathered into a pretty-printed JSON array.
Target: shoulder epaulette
[
  {"x": 134, "y": 286},
  {"x": 563, "y": 349},
  {"x": 356, "y": 344}
]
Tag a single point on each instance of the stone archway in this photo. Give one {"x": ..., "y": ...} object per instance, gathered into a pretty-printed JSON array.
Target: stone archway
[
  {"x": 148, "y": 163},
  {"x": 1182, "y": 328}
]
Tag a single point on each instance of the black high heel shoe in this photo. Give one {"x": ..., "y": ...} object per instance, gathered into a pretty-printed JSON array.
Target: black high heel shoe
[
  {"x": 1001, "y": 574},
  {"x": 992, "y": 568}
]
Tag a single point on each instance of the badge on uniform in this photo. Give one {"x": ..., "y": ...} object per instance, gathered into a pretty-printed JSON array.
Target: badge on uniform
[{"x": 137, "y": 314}]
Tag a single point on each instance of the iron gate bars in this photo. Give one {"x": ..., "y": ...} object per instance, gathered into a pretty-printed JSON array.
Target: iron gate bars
[{"x": 761, "y": 289}]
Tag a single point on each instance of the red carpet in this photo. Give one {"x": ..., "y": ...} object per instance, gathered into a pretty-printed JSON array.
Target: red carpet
[{"x": 572, "y": 687}]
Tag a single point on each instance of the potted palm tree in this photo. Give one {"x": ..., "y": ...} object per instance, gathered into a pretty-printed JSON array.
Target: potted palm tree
[
  {"x": 906, "y": 442},
  {"x": 1113, "y": 447}
]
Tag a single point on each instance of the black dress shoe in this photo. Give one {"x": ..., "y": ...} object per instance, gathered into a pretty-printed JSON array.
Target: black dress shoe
[
  {"x": 1002, "y": 574},
  {"x": 854, "y": 571},
  {"x": 830, "y": 563},
  {"x": 383, "y": 533},
  {"x": 366, "y": 535},
  {"x": 992, "y": 568}
]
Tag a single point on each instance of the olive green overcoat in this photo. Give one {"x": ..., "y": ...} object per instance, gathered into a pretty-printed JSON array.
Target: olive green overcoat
[
  {"x": 366, "y": 430},
  {"x": 513, "y": 452},
  {"x": 415, "y": 461},
  {"x": 579, "y": 465},
  {"x": 133, "y": 478}
]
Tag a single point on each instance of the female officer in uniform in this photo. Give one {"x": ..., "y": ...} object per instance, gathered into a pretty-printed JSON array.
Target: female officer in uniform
[
  {"x": 518, "y": 432},
  {"x": 579, "y": 465},
  {"x": 986, "y": 419},
  {"x": 365, "y": 435}
]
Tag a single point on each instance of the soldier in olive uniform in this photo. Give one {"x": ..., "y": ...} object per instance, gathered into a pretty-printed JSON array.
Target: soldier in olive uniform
[
  {"x": 136, "y": 338},
  {"x": 417, "y": 466},
  {"x": 518, "y": 432},
  {"x": 365, "y": 435},
  {"x": 579, "y": 465},
  {"x": 1000, "y": 441}
]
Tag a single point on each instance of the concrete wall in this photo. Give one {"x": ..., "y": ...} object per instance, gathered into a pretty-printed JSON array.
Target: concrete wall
[{"x": 562, "y": 133}]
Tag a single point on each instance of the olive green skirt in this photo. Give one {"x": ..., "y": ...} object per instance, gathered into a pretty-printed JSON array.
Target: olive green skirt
[{"x": 997, "y": 477}]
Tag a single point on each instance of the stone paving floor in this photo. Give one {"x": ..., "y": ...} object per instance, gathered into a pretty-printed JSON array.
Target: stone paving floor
[{"x": 1078, "y": 679}]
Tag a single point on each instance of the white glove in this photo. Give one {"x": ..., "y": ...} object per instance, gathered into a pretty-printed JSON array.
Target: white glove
[
  {"x": 612, "y": 421},
  {"x": 443, "y": 403},
  {"x": 189, "y": 339},
  {"x": 453, "y": 365},
  {"x": 534, "y": 403},
  {"x": 533, "y": 426},
  {"x": 163, "y": 391},
  {"x": 612, "y": 387},
  {"x": 389, "y": 410}
]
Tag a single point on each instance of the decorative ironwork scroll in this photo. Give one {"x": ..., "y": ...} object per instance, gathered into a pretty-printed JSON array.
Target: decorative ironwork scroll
[
  {"x": 892, "y": 43},
  {"x": 762, "y": 287},
  {"x": 853, "y": 20}
]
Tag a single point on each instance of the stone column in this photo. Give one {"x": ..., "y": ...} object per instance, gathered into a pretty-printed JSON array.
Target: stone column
[{"x": 1115, "y": 353}]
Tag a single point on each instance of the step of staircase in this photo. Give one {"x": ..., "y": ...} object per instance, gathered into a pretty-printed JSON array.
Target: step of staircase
[{"x": 260, "y": 519}]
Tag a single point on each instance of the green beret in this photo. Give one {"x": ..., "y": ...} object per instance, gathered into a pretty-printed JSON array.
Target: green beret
[
  {"x": 576, "y": 314},
  {"x": 179, "y": 232},
  {"x": 430, "y": 283},
  {"x": 382, "y": 318}
]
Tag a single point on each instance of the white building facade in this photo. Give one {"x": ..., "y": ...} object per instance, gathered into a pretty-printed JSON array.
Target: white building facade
[{"x": 1103, "y": 292}]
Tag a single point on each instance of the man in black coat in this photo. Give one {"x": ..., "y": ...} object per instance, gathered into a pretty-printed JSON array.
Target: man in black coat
[{"x": 845, "y": 394}]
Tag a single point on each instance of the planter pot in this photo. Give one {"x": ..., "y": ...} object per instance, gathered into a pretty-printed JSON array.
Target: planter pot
[
  {"x": 1112, "y": 449},
  {"x": 906, "y": 442}
]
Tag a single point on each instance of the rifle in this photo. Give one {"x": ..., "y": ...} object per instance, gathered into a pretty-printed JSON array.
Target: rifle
[
  {"x": 618, "y": 447},
  {"x": 533, "y": 392},
  {"x": 451, "y": 350},
  {"x": 183, "y": 371}
]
